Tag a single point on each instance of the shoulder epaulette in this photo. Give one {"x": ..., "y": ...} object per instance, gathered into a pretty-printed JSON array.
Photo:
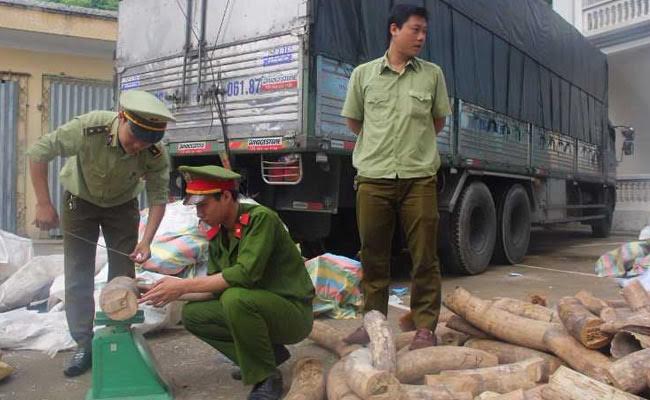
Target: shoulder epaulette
[
  {"x": 155, "y": 151},
  {"x": 93, "y": 130}
]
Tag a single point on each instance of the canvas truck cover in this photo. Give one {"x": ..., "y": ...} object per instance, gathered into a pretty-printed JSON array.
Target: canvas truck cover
[{"x": 516, "y": 57}]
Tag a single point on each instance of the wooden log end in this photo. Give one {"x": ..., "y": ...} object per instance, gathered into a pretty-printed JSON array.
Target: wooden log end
[
  {"x": 593, "y": 337},
  {"x": 337, "y": 387},
  {"x": 535, "y": 393},
  {"x": 567, "y": 384},
  {"x": 624, "y": 343},
  {"x": 119, "y": 298},
  {"x": 628, "y": 373},
  {"x": 308, "y": 380},
  {"x": 5, "y": 370},
  {"x": 365, "y": 380},
  {"x": 514, "y": 395},
  {"x": 636, "y": 296},
  {"x": 582, "y": 324},
  {"x": 382, "y": 342}
]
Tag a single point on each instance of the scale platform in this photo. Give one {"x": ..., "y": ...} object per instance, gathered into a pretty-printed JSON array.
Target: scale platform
[{"x": 123, "y": 367}]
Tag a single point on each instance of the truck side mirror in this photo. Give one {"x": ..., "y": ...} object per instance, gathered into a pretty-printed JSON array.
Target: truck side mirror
[{"x": 628, "y": 141}]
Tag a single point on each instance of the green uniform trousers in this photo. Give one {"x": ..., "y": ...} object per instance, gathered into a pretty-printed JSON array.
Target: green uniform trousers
[
  {"x": 119, "y": 225},
  {"x": 244, "y": 323},
  {"x": 414, "y": 201}
]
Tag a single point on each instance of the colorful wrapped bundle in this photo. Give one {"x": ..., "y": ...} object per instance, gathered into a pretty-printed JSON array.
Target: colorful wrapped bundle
[
  {"x": 624, "y": 261},
  {"x": 336, "y": 279},
  {"x": 180, "y": 241}
]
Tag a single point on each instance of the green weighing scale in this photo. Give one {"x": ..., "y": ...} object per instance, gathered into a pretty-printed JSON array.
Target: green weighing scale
[{"x": 123, "y": 367}]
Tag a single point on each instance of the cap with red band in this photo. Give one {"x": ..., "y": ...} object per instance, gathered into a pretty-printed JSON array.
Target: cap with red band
[
  {"x": 207, "y": 186},
  {"x": 207, "y": 179}
]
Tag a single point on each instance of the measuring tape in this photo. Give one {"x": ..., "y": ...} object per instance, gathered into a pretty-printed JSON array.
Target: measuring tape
[{"x": 95, "y": 243}]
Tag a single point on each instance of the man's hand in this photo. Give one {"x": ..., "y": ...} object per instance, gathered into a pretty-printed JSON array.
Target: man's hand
[
  {"x": 439, "y": 124},
  {"x": 141, "y": 253},
  {"x": 354, "y": 125},
  {"x": 46, "y": 217},
  {"x": 164, "y": 291}
]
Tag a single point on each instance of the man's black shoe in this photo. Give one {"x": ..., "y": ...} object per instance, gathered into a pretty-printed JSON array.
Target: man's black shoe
[
  {"x": 281, "y": 354},
  {"x": 236, "y": 374},
  {"x": 80, "y": 362},
  {"x": 268, "y": 389}
]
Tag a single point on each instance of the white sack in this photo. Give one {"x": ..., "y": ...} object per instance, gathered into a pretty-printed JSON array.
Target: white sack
[
  {"x": 23, "y": 329},
  {"x": 15, "y": 251},
  {"x": 32, "y": 278}
]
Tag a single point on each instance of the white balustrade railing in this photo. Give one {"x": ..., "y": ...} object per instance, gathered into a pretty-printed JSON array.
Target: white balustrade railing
[
  {"x": 604, "y": 16},
  {"x": 633, "y": 189}
]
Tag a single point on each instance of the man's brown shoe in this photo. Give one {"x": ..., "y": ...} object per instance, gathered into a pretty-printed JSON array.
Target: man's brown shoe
[
  {"x": 359, "y": 336},
  {"x": 423, "y": 338}
]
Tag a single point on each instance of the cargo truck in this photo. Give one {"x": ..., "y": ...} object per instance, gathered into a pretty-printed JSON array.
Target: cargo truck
[{"x": 258, "y": 85}]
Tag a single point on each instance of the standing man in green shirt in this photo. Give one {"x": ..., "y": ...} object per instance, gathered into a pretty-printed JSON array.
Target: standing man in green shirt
[
  {"x": 108, "y": 155},
  {"x": 396, "y": 105},
  {"x": 258, "y": 294}
]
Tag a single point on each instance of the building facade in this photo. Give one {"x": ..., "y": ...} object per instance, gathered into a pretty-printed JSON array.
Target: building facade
[
  {"x": 621, "y": 29},
  {"x": 56, "y": 62}
]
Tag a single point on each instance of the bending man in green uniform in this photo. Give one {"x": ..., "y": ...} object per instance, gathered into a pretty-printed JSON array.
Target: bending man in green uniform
[
  {"x": 109, "y": 153},
  {"x": 260, "y": 292},
  {"x": 396, "y": 105}
]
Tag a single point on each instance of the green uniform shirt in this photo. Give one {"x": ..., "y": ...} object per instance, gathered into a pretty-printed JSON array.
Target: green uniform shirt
[
  {"x": 260, "y": 254},
  {"x": 397, "y": 138},
  {"x": 97, "y": 169}
]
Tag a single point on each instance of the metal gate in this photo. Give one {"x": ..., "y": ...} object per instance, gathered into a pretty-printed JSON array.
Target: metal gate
[
  {"x": 65, "y": 99},
  {"x": 8, "y": 172}
]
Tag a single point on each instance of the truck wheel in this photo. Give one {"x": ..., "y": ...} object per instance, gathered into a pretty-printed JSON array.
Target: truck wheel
[
  {"x": 602, "y": 227},
  {"x": 473, "y": 231},
  {"x": 513, "y": 226}
]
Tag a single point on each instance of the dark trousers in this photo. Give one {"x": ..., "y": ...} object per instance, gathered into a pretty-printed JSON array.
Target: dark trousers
[
  {"x": 243, "y": 324},
  {"x": 380, "y": 202},
  {"x": 119, "y": 225}
]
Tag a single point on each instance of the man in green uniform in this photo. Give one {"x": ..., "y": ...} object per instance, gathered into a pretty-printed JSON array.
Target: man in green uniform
[
  {"x": 109, "y": 153},
  {"x": 397, "y": 104},
  {"x": 261, "y": 293}
]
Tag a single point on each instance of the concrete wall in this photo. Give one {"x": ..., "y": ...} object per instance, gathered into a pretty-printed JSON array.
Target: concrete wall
[
  {"x": 629, "y": 102},
  {"x": 56, "y": 22},
  {"x": 38, "y": 42},
  {"x": 36, "y": 65}
]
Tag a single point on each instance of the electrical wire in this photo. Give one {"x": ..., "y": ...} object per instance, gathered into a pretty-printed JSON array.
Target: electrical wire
[{"x": 214, "y": 94}]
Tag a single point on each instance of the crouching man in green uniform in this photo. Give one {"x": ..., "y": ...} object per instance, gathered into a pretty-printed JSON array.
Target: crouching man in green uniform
[
  {"x": 261, "y": 292},
  {"x": 109, "y": 154}
]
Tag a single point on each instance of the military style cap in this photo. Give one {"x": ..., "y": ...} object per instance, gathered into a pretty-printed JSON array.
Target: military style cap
[
  {"x": 206, "y": 179},
  {"x": 147, "y": 115}
]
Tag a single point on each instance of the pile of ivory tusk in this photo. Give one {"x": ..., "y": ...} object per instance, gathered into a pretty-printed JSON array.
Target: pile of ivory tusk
[{"x": 499, "y": 349}]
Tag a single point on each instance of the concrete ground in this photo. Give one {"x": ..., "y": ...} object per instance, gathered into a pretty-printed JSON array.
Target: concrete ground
[{"x": 559, "y": 263}]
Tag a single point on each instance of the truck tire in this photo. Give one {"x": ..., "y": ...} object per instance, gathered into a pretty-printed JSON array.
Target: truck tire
[
  {"x": 473, "y": 231},
  {"x": 602, "y": 227},
  {"x": 513, "y": 226}
]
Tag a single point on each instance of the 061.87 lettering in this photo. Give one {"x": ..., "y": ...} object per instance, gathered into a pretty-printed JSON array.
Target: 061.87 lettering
[{"x": 243, "y": 87}]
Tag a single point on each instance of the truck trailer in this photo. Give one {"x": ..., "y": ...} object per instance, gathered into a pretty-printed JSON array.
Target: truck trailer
[{"x": 258, "y": 86}]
